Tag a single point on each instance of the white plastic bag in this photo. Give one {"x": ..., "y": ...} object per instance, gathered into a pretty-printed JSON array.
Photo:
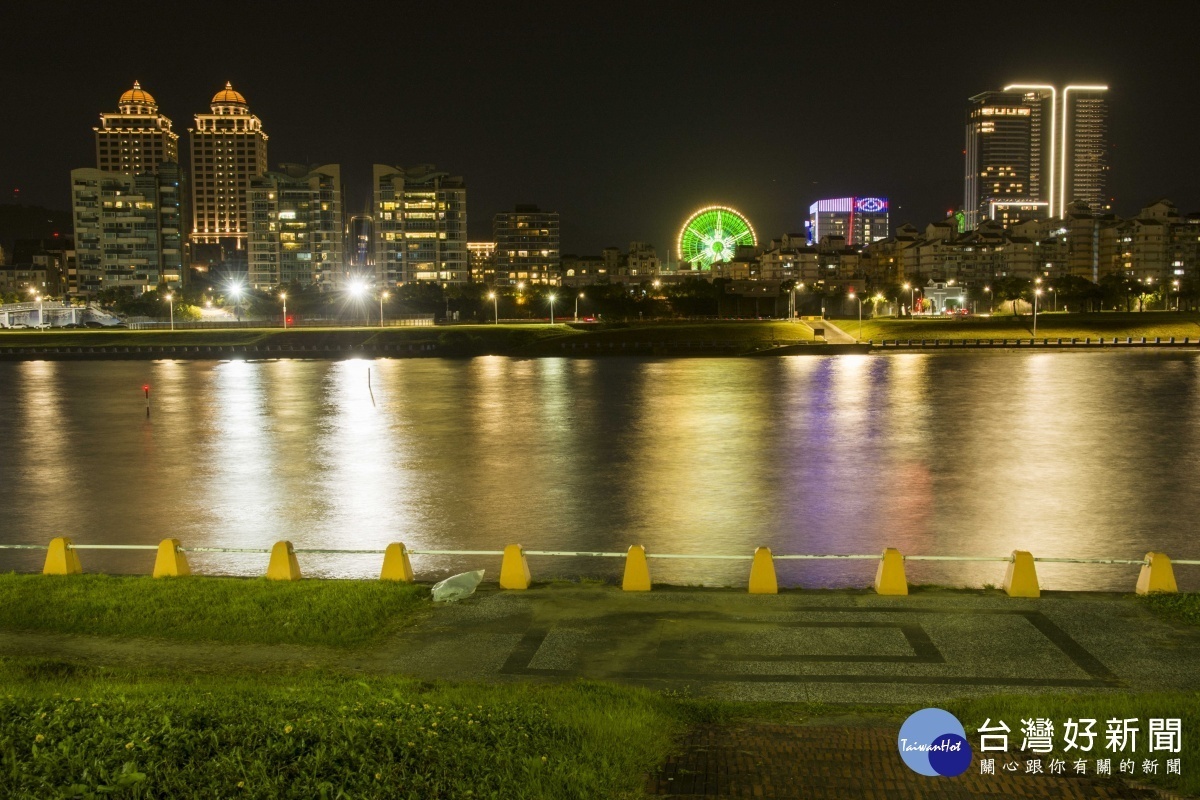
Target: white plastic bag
[{"x": 456, "y": 587}]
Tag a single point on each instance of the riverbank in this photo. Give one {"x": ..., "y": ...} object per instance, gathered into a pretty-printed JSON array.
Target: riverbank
[
  {"x": 570, "y": 691},
  {"x": 1150, "y": 325},
  {"x": 668, "y": 339},
  {"x": 532, "y": 340}
]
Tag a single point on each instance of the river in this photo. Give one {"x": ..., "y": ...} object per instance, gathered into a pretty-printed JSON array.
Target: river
[{"x": 1063, "y": 454}]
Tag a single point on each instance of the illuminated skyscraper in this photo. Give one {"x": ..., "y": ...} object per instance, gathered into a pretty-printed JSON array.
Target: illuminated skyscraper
[
  {"x": 1033, "y": 150},
  {"x": 527, "y": 246},
  {"x": 858, "y": 220},
  {"x": 136, "y": 138},
  {"x": 229, "y": 148},
  {"x": 296, "y": 230},
  {"x": 1084, "y": 170},
  {"x": 998, "y": 153},
  {"x": 420, "y": 226}
]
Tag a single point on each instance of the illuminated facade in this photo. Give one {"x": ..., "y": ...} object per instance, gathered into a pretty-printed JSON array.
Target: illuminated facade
[
  {"x": 136, "y": 138},
  {"x": 1084, "y": 169},
  {"x": 527, "y": 246},
  {"x": 296, "y": 231},
  {"x": 858, "y": 220},
  {"x": 360, "y": 244},
  {"x": 420, "y": 225},
  {"x": 712, "y": 235},
  {"x": 998, "y": 152},
  {"x": 483, "y": 262},
  {"x": 128, "y": 229},
  {"x": 1033, "y": 151},
  {"x": 229, "y": 148}
]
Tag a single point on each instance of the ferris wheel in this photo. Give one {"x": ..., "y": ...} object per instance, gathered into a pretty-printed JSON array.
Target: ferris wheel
[{"x": 713, "y": 234}]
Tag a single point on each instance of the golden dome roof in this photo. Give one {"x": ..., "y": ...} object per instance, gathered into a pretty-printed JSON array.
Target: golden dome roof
[
  {"x": 137, "y": 95},
  {"x": 228, "y": 95}
]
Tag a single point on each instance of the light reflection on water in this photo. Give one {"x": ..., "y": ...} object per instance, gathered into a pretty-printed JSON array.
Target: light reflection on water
[{"x": 950, "y": 454}]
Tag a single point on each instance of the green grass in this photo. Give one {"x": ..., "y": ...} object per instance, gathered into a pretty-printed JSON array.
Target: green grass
[
  {"x": 257, "y": 611},
  {"x": 90, "y": 735},
  {"x": 1050, "y": 325},
  {"x": 514, "y": 339},
  {"x": 1101, "y": 707},
  {"x": 1179, "y": 607}
]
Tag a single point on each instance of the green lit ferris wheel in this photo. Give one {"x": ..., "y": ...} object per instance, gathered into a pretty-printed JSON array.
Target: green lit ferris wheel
[{"x": 713, "y": 234}]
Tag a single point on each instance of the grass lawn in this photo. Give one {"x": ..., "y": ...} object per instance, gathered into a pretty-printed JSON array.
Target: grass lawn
[
  {"x": 515, "y": 339},
  {"x": 254, "y": 610},
  {"x": 1050, "y": 325},
  {"x": 81, "y": 733}
]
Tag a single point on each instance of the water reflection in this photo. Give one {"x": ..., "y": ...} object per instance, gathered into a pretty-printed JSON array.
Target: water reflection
[{"x": 1064, "y": 455}]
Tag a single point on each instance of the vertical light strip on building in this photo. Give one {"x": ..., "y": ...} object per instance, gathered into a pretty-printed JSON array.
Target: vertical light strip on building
[
  {"x": 1053, "y": 119},
  {"x": 1062, "y": 196}
]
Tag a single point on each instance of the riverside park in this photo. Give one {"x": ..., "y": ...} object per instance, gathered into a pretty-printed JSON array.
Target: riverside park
[{"x": 222, "y": 586}]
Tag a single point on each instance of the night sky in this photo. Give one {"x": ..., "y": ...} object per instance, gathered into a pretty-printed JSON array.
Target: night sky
[{"x": 624, "y": 118}]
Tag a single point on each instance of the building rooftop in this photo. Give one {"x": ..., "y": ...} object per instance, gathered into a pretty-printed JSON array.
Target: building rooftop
[
  {"x": 137, "y": 95},
  {"x": 228, "y": 96}
]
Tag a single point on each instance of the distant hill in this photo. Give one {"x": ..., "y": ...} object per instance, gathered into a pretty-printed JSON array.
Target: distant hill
[{"x": 31, "y": 222}]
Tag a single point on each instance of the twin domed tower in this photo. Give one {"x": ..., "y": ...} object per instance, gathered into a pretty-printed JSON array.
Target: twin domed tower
[{"x": 228, "y": 148}]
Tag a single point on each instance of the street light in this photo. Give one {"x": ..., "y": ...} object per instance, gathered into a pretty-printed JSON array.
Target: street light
[
  {"x": 1036, "y": 294},
  {"x": 552, "y": 308},
  {"x": 235, "y": 291},
  {"x": 1175, "y": 283},
  {"x": 171, "y": 305},
  {"x": 859, "y": 299},
  {"x": 912, "y": 291},
  {"x": 495, "y": 305},
  {"x": 382, "y": 296},
  {"x": 1054, "y": 295},
  {"x": 988, "y": 291},
  {"x": 283, "y": 297},
  {"x": 577, "y": 299}
]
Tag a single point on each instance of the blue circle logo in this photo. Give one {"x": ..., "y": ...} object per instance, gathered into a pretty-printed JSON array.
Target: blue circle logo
[{"x": 933, "y": 742}]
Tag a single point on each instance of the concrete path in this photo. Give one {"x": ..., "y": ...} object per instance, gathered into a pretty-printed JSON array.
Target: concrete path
[
  {"x": 834, "y": 334},
  {"x": 836, "y": 647}
]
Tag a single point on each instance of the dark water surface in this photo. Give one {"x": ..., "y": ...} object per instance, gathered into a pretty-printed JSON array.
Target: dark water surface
[{"x": 1068, "y": 455}]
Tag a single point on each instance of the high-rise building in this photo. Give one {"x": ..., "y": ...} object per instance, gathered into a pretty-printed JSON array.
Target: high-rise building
[
  {"x": 420, "y": 225},
  {"x": 527, "y": 246},
  {"x": 1084, "y": 169},
  {"x": 296, "y": 229},
  {"x": 128, "y": 229},
  {"x": 1032, "y": 151},
  {"x": 360, "y": 244},
  {"x": 998, "y": 152},
  {"x": 135, "y": 139},
  {"x": 229, "y": 148},
  {"x": 483, "y": 263},
  {"x": 858, "y": 220}
]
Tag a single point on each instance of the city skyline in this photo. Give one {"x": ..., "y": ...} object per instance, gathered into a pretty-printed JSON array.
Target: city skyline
[{"x": 613, "y": 143}]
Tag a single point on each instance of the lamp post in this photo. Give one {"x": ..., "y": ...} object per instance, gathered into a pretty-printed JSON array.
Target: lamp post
[
  {"x": 859, "y": 299},
  {"x": 1175, "y": 283},
  {"x": 382, "y": 296},
  {"x": 283, "y": 298},
  {"x": 1036, "y": 293},
  {"x": 495, "y": 305},
  {"x": 551, "y": 308},
  {"x": 1054, "y": 297},
  {"x": 577, "y": 298},
  {"x": 988, "y": 291},
  {"x": 170, "y": 298}
]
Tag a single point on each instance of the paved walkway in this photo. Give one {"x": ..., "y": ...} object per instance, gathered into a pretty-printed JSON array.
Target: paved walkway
[
  {"x": 834, "y": 647},
  {"x": 835, "y": 762}
]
